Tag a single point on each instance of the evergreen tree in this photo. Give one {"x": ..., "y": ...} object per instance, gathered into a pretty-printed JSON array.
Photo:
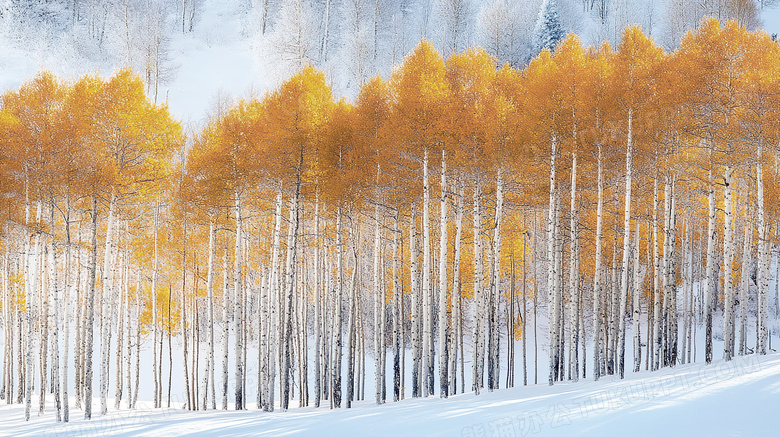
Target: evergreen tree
[{"x": 548, "y": 30}]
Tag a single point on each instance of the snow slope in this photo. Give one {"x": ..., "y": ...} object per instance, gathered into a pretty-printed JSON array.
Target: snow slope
[{"x": 734, "y": 398}]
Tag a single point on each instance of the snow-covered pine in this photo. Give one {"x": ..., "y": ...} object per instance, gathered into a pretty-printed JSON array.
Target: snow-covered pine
[{"x": 548, "y": 29}]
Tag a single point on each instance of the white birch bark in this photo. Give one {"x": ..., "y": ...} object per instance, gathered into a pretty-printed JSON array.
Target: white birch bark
[
  {"x": 318, "y": 343},
  {"x": 427, "y": 341},
  {"x": 763, "y": 258},
  {"x": 598, "y": 315},
  {"x": 656, "y": 347},
  {"x": 478, "y": 324},
  {"x": 456, "y": 295},
  {"x": 337, "y": 348},
  {"x": 155, "y": 320},
  {"x": 626, "y": 252},
  {"x": 711, "y": 280},
  {"x": 494, "y": 351},
  {"x": 744, "y": 289},
  {"x": 551, "y": 268},
  {"x": 728, "y": 260},
  {"x": 105, "y": 337},
  {"x": 637, "y": 313},
  {"x": 89, "y": 317},
  {"x": 379, "y": 307},
  {"x": 443, "y": 319},
  {"x": 416, "y": 303},
  {"x": 573, "y": 274}
]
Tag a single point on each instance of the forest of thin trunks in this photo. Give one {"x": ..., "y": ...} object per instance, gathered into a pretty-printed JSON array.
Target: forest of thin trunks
[{"x": 441, "y": 215}]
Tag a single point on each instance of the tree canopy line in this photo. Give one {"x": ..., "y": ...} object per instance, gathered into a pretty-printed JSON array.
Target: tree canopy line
[{"x": 437, "y": 215}]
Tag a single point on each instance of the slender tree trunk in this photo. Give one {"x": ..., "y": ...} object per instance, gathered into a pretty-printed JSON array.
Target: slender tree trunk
[
  {"x": 728, "y": 260},
  {"x": 656, "y": 346},
  {"x": 637, "y": 308},
  {"x": 443, "y": 319},
  {"x": 551, "y": 269},
  {"x": 626, "y": 251},
  {"x": 763, "y": 259},
  {"x": 477, "y": 337},
  {"x": 744, "y": 290},
  {"x": 427, "y": 342},
  {"x": 416, "y": 304},
  {"x": 337, "y": 349},
  {"x": 494, "y": 351},
  {"x": 456, "y": 338},
  {"x": 379, "y": 308},
  {"x": 397, "y": 313},
  {"x": 90, "y": 316},
  {"x": 711, "y": 290},
  {"x": 574, "y": 311},
  {"x": 598, "y": 315}
]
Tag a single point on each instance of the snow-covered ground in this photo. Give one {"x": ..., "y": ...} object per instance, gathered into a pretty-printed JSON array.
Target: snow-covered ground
[{"x": 736, "y": 398}]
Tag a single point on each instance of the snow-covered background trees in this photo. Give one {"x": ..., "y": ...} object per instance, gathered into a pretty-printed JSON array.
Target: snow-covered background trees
[{"x": 172, "y": 42}]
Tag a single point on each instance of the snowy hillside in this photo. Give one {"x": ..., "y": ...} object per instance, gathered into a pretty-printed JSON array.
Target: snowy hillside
[
  {"x": 684, "y": 401},
  {"x": 216, "y": 51}
]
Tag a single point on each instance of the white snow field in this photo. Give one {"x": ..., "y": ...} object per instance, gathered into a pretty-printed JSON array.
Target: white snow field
[{"x": 737, "y": 398}]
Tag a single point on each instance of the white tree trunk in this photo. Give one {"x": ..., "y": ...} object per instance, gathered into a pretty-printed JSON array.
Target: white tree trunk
[
  {"x": 416, "y": 304},
  {"x": 744, "y": 289},
  {"x": 626, "y": 252},
  {"x": 443, "y": 319},
  {"x": 574, "y": 312},
  {"x": 637, "y": 308},
  {"x": 427, "y": 305},
  {"x": 728, "y": 260},
  {"x": 598, "y": 315},
  {"x": 478, "y": 324},
  {"x": 379, "y": 308},
  {"x": 496, "y": 281},
  {"x": 318, "y": 334},
  {"x": 155, "y": 319},
  {"x": 763, "y": 259},
  {"x": 655, "y": 347},
  {"x": 337, "y": 348},
  {"x": 551, "y": 269},
  {"x": 711, "y": 280},
  {"x": 105, "y": 337},
  {"x": 456, "y": 295}
]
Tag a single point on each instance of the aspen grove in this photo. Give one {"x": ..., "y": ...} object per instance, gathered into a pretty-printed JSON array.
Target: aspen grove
[{"x": 628, "y": 196}]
